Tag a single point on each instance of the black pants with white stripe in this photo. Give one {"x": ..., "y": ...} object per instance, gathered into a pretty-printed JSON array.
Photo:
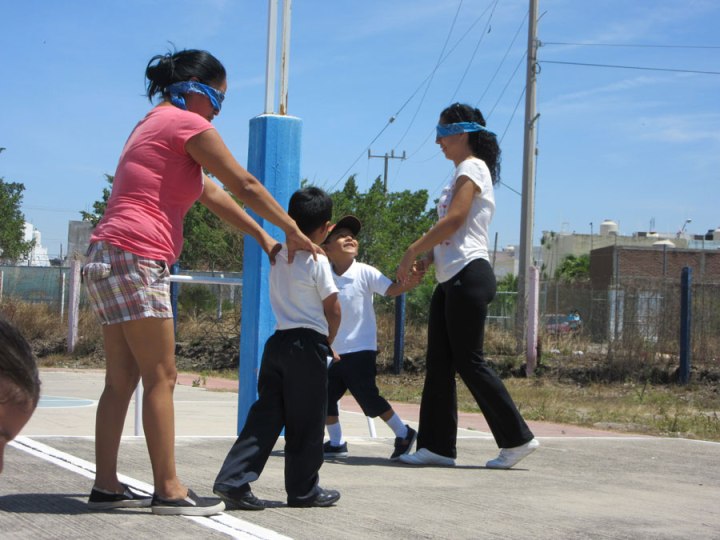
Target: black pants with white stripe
[
  {"x": 292, "y": 392},
  {"x": 456, "y": 330}
]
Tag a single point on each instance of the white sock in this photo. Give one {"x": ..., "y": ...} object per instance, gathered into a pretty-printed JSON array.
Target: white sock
[
  {"x": 397, "y": 425},
  {"x": 335, "y": 432}
]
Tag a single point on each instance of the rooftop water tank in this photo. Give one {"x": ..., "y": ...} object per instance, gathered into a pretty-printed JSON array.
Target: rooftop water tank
[{"x": 608, "y": 227}]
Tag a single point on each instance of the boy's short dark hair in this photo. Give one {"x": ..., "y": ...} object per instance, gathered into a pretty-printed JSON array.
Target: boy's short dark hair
[{"x": 311, "y": 208}]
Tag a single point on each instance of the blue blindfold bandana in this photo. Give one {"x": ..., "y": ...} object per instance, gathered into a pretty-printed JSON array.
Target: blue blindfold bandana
[
  {"x": 176, "y": 91},
  {"x": 443, "y": 130}
]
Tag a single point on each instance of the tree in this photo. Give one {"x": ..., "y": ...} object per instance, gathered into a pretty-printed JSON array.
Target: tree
[
  {"x": 573, "y": 268},
  {"x": 99, "y": 206},
  {"x": 12, "y": 225}
]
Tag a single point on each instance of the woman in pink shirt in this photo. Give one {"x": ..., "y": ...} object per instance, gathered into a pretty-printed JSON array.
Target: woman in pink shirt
[{"x": 158, "y": 178}]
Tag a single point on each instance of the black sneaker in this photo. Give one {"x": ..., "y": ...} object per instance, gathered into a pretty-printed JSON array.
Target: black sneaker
[
  {"x": 403, "y": 446},
  {"x": 102, "y": 500},
  {"x": 240, "y": 499},
  {"x": 331, "y": 451},
  {"x": 322, "y": 498},
  {"x": 192, "y": 505}
]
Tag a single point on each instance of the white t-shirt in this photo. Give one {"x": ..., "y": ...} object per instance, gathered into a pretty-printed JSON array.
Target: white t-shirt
[
  {"x": 358, "y": 329},
  {"x": 298, "y": 289},
  {"x": 470, "y": 241}
]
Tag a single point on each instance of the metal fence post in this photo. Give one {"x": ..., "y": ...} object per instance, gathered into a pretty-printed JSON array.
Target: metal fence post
[
  {"x": 685, "y": 323},
  {"x": 399, "y": 351},
  {"x": 174, "y": 292}
]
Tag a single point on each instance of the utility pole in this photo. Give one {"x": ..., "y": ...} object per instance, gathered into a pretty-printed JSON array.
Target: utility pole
[
  {"x": 386, "y": 157},
  {"x": 399, "y": 345},
  {"x": 528, "y": 183}
]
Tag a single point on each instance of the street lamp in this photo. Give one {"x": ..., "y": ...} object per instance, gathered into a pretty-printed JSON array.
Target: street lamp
[{"x": 682, "y": 229}]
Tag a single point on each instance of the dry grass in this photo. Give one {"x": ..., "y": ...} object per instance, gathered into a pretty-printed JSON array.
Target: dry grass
[{"x": 632, "y": 404}]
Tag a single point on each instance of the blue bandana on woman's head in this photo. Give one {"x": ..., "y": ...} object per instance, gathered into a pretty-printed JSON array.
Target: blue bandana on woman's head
[
  {"x": 176, "y": 91},
  {"x": 443, "y": 130}
]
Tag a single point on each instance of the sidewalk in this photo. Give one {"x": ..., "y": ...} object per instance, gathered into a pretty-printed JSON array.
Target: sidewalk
[{"x": 579, "y": 484}]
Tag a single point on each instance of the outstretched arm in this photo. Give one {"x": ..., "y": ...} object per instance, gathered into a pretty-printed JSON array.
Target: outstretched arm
[
  {"x": 209, "y": 150},
  {"x": 219, "y": 202},
  {"x": 443, "y": 229}
]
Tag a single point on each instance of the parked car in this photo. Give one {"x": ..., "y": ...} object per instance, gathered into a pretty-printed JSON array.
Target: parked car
[{"x": 562, "y": 324}]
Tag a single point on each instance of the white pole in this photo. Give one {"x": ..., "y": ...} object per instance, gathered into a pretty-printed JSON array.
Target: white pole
[
  {"x": 74, "y": 304},
  {"x": 532, "y": 324},
  {"x": 2, "y": 280},
  {"x": 62, "y": 295},
  {"x": 371, "y": 427},
  {"x": 285, "y": 57},
  {"x": 138, "y": 409},
  {"x": 271, "y": 56},
  {"x": 528, "y": 176}
]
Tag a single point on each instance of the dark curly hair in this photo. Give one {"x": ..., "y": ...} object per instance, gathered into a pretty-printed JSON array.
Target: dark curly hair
[
  {"x": 18, "y": 368},
  {"x": 484, "y": 144},
  {"x": 165, "y": 69}
]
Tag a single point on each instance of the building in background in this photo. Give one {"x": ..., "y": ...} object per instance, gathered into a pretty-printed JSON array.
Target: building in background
[
  {"x": 38, "y": 255},
  {"x": 558, "y": 245},
  {"x": 78, "y": 239}
]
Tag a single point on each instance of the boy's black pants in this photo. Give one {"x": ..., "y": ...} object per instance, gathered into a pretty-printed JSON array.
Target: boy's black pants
[
  {"x": 456, "y": 331},
  {"x": 292, "y": 388}
]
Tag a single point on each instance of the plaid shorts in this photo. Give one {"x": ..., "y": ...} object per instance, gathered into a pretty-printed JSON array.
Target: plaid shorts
[{"x": 125, "y": 287}]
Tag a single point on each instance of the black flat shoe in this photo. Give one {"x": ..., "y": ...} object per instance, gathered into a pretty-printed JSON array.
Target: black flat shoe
[
  {"x": 240, "y": 501},
  {"x": 323, "y": 498}
]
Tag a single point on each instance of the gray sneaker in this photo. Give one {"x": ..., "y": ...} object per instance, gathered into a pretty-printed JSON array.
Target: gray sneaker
[{"x": 192, "y": 505}]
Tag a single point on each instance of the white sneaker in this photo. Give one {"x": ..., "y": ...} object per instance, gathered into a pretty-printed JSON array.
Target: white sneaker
[
  {"x": 510, "y": 457},
  {"x": 425, "y": 457}
]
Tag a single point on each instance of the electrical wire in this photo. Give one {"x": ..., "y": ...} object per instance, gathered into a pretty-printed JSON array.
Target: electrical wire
[
  {"x": 407, "y": 101},
  {"x": 432, "y": 76},
  {"x": 632, "y": 45},
  {"x": 631, "y": 67}
]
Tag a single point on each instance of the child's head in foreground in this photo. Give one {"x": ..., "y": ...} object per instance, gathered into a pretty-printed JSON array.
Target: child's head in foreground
[{"x": 19, "y": 384}]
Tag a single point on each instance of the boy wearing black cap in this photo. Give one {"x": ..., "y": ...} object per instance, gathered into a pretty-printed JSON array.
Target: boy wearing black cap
[{"x": 356, "y": 340}]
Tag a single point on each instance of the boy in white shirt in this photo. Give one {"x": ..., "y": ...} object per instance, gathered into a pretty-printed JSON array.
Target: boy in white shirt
[
  {"x": 356, "y": 341},
  {"x": 292, "y": 384}
]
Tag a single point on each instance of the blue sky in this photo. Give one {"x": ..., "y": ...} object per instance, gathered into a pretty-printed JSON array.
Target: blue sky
[{"x": 639, "y": 147}]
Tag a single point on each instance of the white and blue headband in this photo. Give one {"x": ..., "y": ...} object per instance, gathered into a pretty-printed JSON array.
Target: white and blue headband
[
  {"x": 443, "y": 130},
  {"x": 176, "y": 91}
]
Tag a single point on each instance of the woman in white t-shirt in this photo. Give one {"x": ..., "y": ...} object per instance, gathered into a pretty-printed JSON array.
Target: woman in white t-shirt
[{"x": 458, "y": 245}]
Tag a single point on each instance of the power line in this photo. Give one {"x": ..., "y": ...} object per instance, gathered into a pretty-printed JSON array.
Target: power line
[
  {"x": 638, "y": 45},
  {"x": 432, "y": 74},
  {"x": 642, "y": 68},
  {"x": 408, "y": 100}
]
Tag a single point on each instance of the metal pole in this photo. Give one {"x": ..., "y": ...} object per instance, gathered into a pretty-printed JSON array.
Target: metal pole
[
  {"x": 685, "y": 324},
  {"x": 528, "y": 195},
  {"x": 399, "y": 350},
  {"x": 271, "y": 56},
  {"x": 285, "y": 57},
  {"x": 174, "y": 293}
]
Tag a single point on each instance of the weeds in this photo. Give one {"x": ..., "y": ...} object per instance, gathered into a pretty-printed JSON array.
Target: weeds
[{"x": 607, "y": 390}]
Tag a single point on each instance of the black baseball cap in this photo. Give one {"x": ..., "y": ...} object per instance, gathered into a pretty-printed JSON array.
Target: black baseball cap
[{"x": 347, "y": 222}]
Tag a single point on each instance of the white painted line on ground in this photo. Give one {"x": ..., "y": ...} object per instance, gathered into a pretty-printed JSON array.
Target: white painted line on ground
[{"x": 224, "y": 523}]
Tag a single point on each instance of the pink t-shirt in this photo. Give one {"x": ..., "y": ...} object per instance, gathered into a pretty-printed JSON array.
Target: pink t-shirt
[{"x": 155, "y": 184}]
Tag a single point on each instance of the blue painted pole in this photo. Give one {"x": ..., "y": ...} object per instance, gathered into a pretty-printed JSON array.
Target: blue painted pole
[
  {"x": 399, "y": 352},
  {"x": 685, "y": 324},
  {"x": 274, "y": 159}
]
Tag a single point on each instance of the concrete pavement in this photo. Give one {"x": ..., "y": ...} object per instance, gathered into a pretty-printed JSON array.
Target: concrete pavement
[{"x": 580, "y": 483}]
